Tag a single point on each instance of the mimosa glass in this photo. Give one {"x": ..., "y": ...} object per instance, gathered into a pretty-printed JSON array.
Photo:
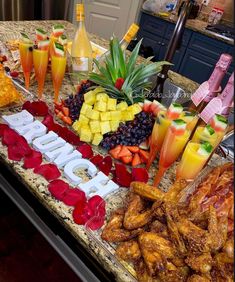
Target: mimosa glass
[
  {"x": 200, "y": 135},
  {"x": 58, "y": 65},
  {"x": 190, "y": 117},
  {"x": 53, "y": 39},
  {"x": 26, "y": 59},
  {"x": 173, "y": 144},
  {"x": 40, "y": 62},
  {"x": 191, "y": 162}
]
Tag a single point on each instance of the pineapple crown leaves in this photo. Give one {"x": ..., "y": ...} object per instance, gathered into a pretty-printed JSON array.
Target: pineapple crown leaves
[{"x": 118, "y": 66}]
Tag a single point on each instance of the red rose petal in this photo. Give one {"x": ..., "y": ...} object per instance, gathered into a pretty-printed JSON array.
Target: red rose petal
[
  {"x": 2, "y": 128},
  {"x": 33, "y": 159},
  {"x": 96, "y": 159},
  {"x": 49, "y": 171},
  {"x": 73, "y": 197},
  {"x": 97, "y": 205},
  {"x": 58, "y": 188},
  {"x": 9, "y": 137},
  {"x": 26, "y": 106},
  {"x": 36, "y": 108},
  {"x": 48, "y": 121},
  {"x": 96, "y": 222},
  {"x": 23, "y": 146},
  {"x": 80, "y": 215},
  {"x": 85, "y": 150},
  {"x": 105, "y": 165},
  {"x": 140, "y": 174},
  {"x": 13, "y": 153},
  {"x": 122, "y": 176}
]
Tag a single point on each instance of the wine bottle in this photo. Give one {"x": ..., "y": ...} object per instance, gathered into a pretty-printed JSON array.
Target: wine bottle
[
  {"x": 81, "y": 51},
  {"x": 210, "y": 88}
]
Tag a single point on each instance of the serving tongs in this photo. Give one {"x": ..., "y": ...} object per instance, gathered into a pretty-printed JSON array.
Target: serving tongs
[{"x": 227, "y": 150}]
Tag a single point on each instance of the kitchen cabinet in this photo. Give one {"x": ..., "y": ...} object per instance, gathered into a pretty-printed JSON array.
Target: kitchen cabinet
[{"x": 197, "y": 54}]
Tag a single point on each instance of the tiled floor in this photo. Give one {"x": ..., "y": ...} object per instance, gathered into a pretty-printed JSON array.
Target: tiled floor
[{"x": 25, "y": 256}]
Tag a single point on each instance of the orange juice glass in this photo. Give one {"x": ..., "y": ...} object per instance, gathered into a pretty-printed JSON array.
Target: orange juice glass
[
  {"x": 26, "y": 59},
  {"x": 40, "y": 62},
  {"x": 58, "y": 65}
]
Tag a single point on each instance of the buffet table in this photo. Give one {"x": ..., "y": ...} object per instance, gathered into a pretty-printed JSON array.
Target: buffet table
[{"x": 29, "y": 191}]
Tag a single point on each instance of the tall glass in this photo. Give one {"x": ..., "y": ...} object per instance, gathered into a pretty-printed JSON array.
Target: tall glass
[
  {"x": 40, "y": 62},
  {"x": 200, "y": 135},
  {"x": 26, "y": 59},
  {"x": 191, "y": 162},
  {"x": 190, "y": 117},
  {"x": 173, "y": 145},
  {"x": 58, "y": 66}
]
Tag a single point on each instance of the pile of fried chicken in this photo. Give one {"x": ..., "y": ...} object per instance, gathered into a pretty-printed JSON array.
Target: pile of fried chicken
[{"x": 169, "y": 240}]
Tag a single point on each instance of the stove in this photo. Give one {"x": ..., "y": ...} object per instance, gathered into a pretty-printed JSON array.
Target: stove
[{"x": 222, "y": 30}]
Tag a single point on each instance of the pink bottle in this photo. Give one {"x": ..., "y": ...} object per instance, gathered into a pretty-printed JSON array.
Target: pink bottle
[
  {"x": 220, "y": 104},
  {"x": 210, "y": 88}
]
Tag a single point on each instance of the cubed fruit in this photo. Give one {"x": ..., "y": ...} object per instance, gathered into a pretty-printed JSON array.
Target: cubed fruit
[
  {"x": 114, "y": 124},
  {"x": 85, "y": 109},
  {"x": 102, "y": 97},
  {"x": 100, "y": 106},
  {"x": 116, "y": 115},
  {"x": 97, "y": 139},
  {"x": 90, "y": 98},
  {"x": 135, "y": 109},
  {"x": 122, "y": 106},
  {"x": 98, "y": 90},
  {"x": 83, "y": 119},
  {"x": 95, "y": 126},
  {"x": 76, "y": 125},
  {"x": 85, "y": 134},
  {"x": 105, "y": 116},
  {"x": 105, "y": 127},
  {"x": 127, "y": 115},
  {"x": 111, "y": 104},
  {"x": 93, "y": 114}
]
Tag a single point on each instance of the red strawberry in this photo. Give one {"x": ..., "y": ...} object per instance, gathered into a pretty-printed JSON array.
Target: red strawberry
[
  {"x": 95, "y": 222},
  {"x": 58, "y": 188},
  {"x": 140, "y": 174},
  {"x": 2, "y": 128},
  {"x": 122, "y": 176},
  {"x": 119, "y": 82},
  {"x": 49, "y": 171},
  {"x": 105, "y": 165},
  {"x": 73, "y": 196},
  {"x": 85, "y": 150},
  {"x": 136, "y": 160},
  {"x": 96, "y": 159},
  {"x": 127, "y": 159},
  {"x": 124, "y": 152},
  {"x": 115, "y": 151},
  {"x": 144, "y": 155},
  {"x": 133, "y": 149},
  {"x": 33, "y": 159}
]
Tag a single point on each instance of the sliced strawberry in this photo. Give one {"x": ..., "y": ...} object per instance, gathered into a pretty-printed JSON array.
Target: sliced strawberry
[
  {"x": 73, "y": 196},
  {"x": 96, "y": 159},
  {"x": 144, "y": 155},
  {"x": 127, "y": 159},
  {"x": 124, "y": 152},
  {"x": 67, "y": 120},
  {"x": 65, "y": 111},
  {"x": 140, "y": 174},
  {"x": 60, "y": 115},
  {"x": 58, "y": 105},
  {"x": 136, "y": 160},
  {"x": 114, "y": 152},
  {"x": 133, "y": 149},
  {"x": 48, "y": 171},
  {"x": 85, "y": 150},
  {"x": 56, "y": 111},
  {"x": 105, "y": 165},
  {"x": 58, "y": 188},
  {"x": 33, "y": 159}
]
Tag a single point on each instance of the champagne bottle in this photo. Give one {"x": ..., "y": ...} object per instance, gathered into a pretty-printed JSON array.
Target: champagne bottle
[
  {"x": 81, "y": 51},
  {"x": 210, "y": 88}
]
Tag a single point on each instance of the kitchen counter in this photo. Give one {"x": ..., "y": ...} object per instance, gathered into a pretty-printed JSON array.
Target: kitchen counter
[
  {"x": 37, "y": 185},
  {"x": 195, "y": 25}
]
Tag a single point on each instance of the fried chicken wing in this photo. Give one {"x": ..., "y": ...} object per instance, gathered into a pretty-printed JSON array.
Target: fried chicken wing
[
  {"x": 153, "y": 260},
  {"x": 142, "y": 273},
  {"x": 128, "y": 251},
  {"x": 174, "y": 274},
  {"x": 200, "y": 263},
  {"x": 159, "y": 228},
  {"x": 136, "y": 214},
  {"x": 114, "y": 231},
  {"x": 173, "y": 194},
  {"x": 147, "y": 191},
  {"x": 198, "y": 278},
  {"x": 223, "y": 267}
]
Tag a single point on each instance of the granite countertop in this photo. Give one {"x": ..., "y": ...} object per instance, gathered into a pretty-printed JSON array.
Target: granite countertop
[
  {"x": 195, "y": 25},
  {"x": 37, "y": 185}
]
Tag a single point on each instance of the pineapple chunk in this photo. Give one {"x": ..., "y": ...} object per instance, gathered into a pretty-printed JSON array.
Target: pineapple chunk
[
  {"x": 83, "y": 119},
  {"x": 127, "y": 115},
  {"x": 95, "y": 126},
  {"x": 93, "y": 114},
  {"x": 102, "y": 97},
  {"x": 135, "y": 109},
  {"x": 90, "y": 98},
  {"x": 116, "y": 115},
  {"x": 105, "y": 116},
  {"x": 122, "y": 106},
  {"x": 114, "y": 124},
  {"x": 97, "y": 139},
  {"x": 85, "y": 134},
  {"x": 85, "y": 108},
  {"x": 98, "y": 90},
  {"x": 111, "y": 104},
  {"x": 100, "y": 106},
  {"x": 105, "y": 127}
]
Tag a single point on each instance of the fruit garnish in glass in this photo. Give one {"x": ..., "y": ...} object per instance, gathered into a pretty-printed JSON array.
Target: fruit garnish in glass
[
  {"x": 162, "y": 122},
  {"x": 58, "y": 66},
  {"x": 205, "y": 133},
  {"x": 57, "y": 30},
  {"x": 40, "y": 62},
  {"x": 26, "y": 57},
  {"x": 190, "y": 117},
  {"x": 174, "y": 142},
  {"x": 193, "y": 160},
  {"x": 40, "y": 34},
  {"x": 220, "y": 124}
]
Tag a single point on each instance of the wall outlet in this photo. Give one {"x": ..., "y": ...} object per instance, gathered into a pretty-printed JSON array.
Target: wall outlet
[{"x": 205, "y": 2}]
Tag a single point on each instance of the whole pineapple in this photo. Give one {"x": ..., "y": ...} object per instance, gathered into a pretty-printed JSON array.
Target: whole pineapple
[{"x": 121, "y": 77}]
